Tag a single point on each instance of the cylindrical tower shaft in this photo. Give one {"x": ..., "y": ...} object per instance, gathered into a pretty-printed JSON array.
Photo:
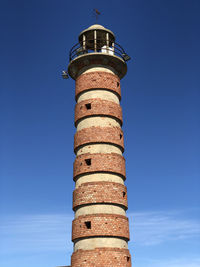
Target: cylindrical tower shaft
[{"x": 100, "y": 229}]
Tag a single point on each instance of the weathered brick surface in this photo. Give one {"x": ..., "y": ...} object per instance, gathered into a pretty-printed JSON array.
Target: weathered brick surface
[
  {"x": 99, "y": 162},
  {"x": 98, "y": 80},
  {"x": 109, "y": 135},
  {"x": 101, "y": 225},
  {"x": 100, "y": 192},
  {"x": 101, "y": 257},
  {"x": 98, "y": 107}
]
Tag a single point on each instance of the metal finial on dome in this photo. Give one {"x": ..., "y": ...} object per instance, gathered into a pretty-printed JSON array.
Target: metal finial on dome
[{"x": 97, "y": 13}]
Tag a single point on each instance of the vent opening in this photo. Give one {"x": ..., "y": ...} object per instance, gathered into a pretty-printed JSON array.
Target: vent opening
[
  {"x": 88, "y": 106},
  {"x": 88, "y": 162},
  {"x": 88, "y": 224}
]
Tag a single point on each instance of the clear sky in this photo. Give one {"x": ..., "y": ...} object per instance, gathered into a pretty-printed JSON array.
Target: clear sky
[{"x": 160, "y": 100}]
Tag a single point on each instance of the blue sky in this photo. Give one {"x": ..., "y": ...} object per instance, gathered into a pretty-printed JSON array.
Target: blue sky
[{"x": 160, "y": 100}]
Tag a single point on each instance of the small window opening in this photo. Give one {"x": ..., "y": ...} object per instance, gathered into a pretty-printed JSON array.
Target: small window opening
[
  {"x": 120, "y": 136},
  {"x": 124, "y": 193},
  {"x": 117, "y": 84},
  {"x": 88, "y": 162},
  {"x": 88, "y": 224},
  {"x": 128, "y": 258},
  {"x": 88, "y": 106}
]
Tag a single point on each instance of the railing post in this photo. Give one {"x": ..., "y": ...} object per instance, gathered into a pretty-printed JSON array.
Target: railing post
[
  {"x": 113, "y": 48},
  {"x": 107, "y": 42},
  {"x": 95, "y": 41},
  {"x": 84, "y": 48}
]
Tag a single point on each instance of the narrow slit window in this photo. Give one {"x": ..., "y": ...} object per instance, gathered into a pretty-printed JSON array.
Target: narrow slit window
[
  {"x": 124, "y": 193},
  {"x": 88, "y": 106},
  {"x": 88, "y": 162},
  {"x": 117, "y": 84},
  {"x": 120, "y": 136},
  {"x": 88, "y": 224},
  {"x": 128, "y": 258}
]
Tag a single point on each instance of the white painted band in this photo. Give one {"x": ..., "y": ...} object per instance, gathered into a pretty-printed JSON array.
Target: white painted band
[
  {"x": 97, "y": 121},
  {"x": 92, "y": 243},
  {"x": 99, "y": 148},
  {"x": 96, "y": 209},
  {"x": 93, "y": 68},
  {"x": 99, "y": 177},
  {"x": 102, "y": 94}
]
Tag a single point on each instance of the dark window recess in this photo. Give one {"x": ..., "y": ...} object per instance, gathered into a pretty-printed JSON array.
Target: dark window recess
[
  {"x": 120, "y": 136},
  {"x": 124, "y": 193},
  {"x": 88, "y": 106},
  {"x": 88, "y": 224},
  {"x": 128, "y": 258},
  {"x": 117, "y": 84},
  {"x": 88, "y": 162}
]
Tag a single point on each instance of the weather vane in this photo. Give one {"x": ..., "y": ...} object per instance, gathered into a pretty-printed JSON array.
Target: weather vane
[{"x": 97, "y": 13}]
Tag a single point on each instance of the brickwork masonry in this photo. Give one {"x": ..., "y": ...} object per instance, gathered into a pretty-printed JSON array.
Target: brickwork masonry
[
  {"x": 100, "y": 192},
  {"x": 98, "y": 80},
  {"x": 97, "y": 107},
  {"x": 91, "y": 163},
  {"x": 101, "y": 257},
  {"x": 92, "y": 135},
  {"x": 106, "y": 225},
  {"x": 100, "y": 230}
]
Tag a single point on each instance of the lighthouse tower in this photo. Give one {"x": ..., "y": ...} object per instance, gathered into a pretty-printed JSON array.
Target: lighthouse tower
[{"x": 100, "y": 229}]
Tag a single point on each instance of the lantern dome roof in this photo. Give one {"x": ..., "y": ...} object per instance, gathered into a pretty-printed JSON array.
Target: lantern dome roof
[{"x": 96, "y": 27}]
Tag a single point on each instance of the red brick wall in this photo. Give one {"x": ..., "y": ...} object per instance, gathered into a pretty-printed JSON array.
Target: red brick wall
[
  {"x": 109, "y": 135},
  {"x": 111, "y": 163},
  {"x": 98, "y": 80},
  {"x": 100, "y": 192},
  {"x": 98, "y": 107},
  {"x": 101, "y": 257},
  {"x": 91, "y": 193},
  {"x": 101, "y": 225}
]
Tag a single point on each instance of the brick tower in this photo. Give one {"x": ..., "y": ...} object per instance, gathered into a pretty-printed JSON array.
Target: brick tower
[{"x": 100, "y": 230}]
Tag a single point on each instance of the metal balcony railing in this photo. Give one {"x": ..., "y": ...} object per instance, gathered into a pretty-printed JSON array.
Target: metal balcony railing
[{"x": 91, "y": 46}]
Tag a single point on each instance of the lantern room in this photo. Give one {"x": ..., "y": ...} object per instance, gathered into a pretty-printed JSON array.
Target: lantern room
[{"x": 96, "y": 45}]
